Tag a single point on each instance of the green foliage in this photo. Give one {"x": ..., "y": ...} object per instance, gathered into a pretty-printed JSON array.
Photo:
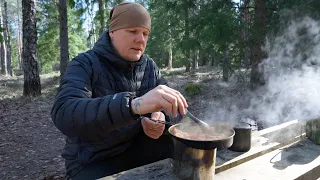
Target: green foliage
[
  {"x": 76, "y": 36},
  {"x": 192, "y": 89},
  {"x": 76, "y": 45},
  {"x": 48, "y": 31},
  {"x": 48, "y": 49},
  {"x": 288, "y": 11},
  {"x": 49, "y": 36},
  {"x": 14, "y": 52},
  {"x": 71, "y": 4},
  {"x": 214, "y": 27}
]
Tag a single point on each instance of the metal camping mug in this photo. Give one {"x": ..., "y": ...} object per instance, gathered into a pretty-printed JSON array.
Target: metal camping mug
[{"x": 242, "y": 137}]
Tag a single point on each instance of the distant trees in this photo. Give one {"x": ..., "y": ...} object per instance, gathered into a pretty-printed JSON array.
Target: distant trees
[
  {"x": 218, "y": 33},
  {"x": 185, "y": 33},
  {"x": 191, "y": 33}
]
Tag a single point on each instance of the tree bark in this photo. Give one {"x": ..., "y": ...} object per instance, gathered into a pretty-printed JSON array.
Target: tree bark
[
  {"x": 215, "y": 59},
  {"x": 187, "y": 36},
  {"x": 195, "y": 63},
  {"x": 102, "y": 10},
  {"x": 64, "y": 54},
  {"x": 93, "y": 31},
  {"x": 19, "y": 36},
  {"x": 8, "y": 40},
  {"x": 245, "y": 35},
  {"x": 226, "y": 64},
  {"x": 170, "y": 46},
  {"x": 170, "y": 57},
  {"x": 3, "y": 59},
  {"x": 258, "y": 40},
  {"x": 212, "y": 59},
  {"x": 3, "y": 51},
  {"x": 32, "y": 86}
]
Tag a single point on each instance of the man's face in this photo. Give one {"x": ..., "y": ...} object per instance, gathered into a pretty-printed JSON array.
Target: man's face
[{"x": 130, "y": 43}]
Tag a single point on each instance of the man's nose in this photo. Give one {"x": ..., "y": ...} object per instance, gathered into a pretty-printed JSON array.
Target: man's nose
[{"x": 140, "y": 38}]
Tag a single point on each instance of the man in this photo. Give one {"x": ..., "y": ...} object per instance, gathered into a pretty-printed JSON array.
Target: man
[{"x": 106, "y": 98}]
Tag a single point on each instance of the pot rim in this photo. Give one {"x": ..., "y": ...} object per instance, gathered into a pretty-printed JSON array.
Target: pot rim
[{"x": 208, "y": 141}]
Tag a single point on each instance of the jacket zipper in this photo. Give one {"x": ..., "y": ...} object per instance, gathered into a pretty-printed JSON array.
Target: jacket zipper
[{"x": 132, "y": 78}]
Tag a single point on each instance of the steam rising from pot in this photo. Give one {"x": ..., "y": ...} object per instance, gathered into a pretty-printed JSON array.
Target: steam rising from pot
[{"x": 291, "y": 71}]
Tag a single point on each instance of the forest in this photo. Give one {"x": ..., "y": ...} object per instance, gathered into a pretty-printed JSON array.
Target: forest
[
  {"x": 215, "y": 52},
  {"x": 191, "y": 33}
]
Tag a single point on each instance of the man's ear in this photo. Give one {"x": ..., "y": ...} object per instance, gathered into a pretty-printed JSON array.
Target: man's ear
[{"x": 111, "y": 34}]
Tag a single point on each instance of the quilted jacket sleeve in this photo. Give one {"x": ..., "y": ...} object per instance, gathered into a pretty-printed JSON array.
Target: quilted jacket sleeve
[{"x": 75, "y": 113}]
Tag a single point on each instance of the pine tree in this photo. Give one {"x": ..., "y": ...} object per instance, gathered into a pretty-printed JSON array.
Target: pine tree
[{"x": 32, "y": 86}]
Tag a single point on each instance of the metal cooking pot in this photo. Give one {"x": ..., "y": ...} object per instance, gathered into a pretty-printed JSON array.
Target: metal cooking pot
[
  {"x": 223, "y": 133},
  {"x": 194, "y": 159}
]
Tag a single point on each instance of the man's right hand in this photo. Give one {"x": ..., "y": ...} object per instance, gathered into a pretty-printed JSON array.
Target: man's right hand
[{"x": 160, "y": 98}]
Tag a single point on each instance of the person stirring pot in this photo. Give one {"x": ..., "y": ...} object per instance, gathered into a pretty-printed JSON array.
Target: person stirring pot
[{"x": 103, "y": 94}]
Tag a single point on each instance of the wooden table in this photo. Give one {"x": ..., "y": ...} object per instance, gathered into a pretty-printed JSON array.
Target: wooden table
[{"x": 280, "y": 152}]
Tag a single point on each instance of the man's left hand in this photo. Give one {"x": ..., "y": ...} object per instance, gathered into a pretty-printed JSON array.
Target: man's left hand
[{"x": 152, "y": 129}]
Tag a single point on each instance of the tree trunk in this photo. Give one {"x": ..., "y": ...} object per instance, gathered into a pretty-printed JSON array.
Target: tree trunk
[
  {"x": 94, "y": 33},
  {"x": 215, "y": 60},
  {"x": 32, "y": 86},
  {"x": 64, "y": 54},
  {"x": 8, "y": 40},
  {"x": 258, "y": 40},
  {"x": 187, "y": 34},
  {"x": 102, "y": 16},
  {"x": 226, "y": 64},
  {"x": 19, "y": 37},
  {"x": 246, "y": 21},
  {"x": 3, "y": 59},
  {"x": 246, "y": 58},
  {"x": 202, "y": 58},
  {"x": 3, "y": 44},
  {"x": 195, "y": 64},
  {"x": 170, "y": 57},
  {"x": 188, "y": 65},
  {"x": 170, "y": 46}
]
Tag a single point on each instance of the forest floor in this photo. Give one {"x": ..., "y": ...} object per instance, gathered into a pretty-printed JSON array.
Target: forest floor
[{"x": 30, "y": 144}]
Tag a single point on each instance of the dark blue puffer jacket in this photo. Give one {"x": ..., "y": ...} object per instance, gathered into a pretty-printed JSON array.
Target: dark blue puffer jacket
[{"x": 92, "y": 103}]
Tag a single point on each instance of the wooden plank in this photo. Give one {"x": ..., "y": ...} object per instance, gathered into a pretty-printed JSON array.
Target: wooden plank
[
  {"x": 313, "y": 174},
  {"x": 299, "y": 160},
  {"x": 263, "y": 142},
  {"x": 249, "y": 156}
]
